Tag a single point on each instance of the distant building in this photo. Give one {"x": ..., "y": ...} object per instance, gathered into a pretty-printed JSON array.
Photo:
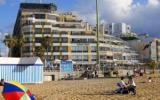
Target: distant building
[
  {"x": 148, "y": 48},
  {"x": 115, "y": 52},
  {"x": 120, "y": 30}
]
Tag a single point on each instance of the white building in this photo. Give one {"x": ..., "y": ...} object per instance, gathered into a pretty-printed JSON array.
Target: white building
[
  {"x": 115, "y": 51},
  {"x": 73, "y": 39},
  {"x": 148, "y": 48},
  {"x": 119, "y": 29}
]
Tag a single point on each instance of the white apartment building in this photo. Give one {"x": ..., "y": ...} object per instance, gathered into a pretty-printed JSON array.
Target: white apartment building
[
  {"x": 119, "y": 29},
  {"x": 73, "y": 39},
  {"x": 114, "y": 51}
]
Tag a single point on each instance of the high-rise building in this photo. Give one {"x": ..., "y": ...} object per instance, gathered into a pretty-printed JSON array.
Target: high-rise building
[
  {"x": 73, "y": 39},
  {"x": 119, "y": 29}
]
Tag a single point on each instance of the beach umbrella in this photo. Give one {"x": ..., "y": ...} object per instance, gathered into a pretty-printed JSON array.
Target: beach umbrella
[{"x": 15, "y": 91}]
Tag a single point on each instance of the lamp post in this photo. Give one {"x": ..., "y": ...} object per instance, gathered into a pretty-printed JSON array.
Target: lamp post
[{"x": 97, "y": 33}]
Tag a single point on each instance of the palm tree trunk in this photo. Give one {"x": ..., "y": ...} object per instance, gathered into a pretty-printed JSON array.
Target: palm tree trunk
[
  {"x": 10, "y": 52},
  {"x": 21, "y": 51}
]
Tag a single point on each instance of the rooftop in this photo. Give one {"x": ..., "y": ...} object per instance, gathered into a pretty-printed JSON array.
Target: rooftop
[{"x": 37, "y": 6}]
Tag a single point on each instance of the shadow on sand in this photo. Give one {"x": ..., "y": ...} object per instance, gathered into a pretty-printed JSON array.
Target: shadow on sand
[{"x": 106, "y": 93}]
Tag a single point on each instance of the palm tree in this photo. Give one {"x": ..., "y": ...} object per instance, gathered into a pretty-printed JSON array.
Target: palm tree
[
  {"x": 40, "y": 52},
  {"x": 10, "y": 42},
  {"x": 20, "y": 43},
  {"x": 153, "y": 65},
  {"x": 46, "y": 43}
]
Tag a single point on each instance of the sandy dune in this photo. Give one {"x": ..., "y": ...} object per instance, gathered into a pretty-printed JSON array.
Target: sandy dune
[{"x": 96, "y": 89}]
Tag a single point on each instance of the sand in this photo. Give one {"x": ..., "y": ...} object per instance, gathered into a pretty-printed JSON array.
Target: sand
[{"x": 95, "y": 89}]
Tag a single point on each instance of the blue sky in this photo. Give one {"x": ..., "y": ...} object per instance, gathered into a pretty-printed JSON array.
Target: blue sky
[
  {"x": 9, "y": 9},
  {"x": 142, "y": 15}
]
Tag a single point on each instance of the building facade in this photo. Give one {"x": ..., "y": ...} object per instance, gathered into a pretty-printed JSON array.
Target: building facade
[
  {"x": 73, "y": 39},
  {"x": 148, "y": 48},
  {"x": 120, "y": 30},
  {"x": 115, "y": 52}
]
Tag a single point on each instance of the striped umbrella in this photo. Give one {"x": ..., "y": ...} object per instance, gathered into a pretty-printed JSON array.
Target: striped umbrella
[{"x": 15, "y": 91}]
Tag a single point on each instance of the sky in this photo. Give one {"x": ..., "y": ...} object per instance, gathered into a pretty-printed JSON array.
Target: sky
[{"x": 142, "y": 15}]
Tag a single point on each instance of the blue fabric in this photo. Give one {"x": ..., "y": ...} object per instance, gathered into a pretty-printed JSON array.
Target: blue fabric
[
  {"x": 11, "y": 88},
  {"x": 32, "y": 97}
]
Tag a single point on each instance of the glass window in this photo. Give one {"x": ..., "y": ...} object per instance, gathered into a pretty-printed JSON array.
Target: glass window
[
  {"x": 40, "y": 16},
  {"x": 53, "y": 17}
]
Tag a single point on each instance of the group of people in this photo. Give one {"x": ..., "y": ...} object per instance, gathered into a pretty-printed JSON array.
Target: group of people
[{"x": 126, "y": 88}]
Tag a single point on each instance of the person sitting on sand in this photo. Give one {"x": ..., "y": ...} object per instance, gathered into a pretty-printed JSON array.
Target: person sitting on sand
[
  {"x": 131, "y": 85},
  {"x": 121, "y": 86}
]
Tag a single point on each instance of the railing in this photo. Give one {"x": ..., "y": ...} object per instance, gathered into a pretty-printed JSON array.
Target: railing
[{"x": 50, "y": 69}]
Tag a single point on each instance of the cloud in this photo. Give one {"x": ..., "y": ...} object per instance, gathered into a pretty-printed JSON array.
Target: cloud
[
  {"x": 144, "y": 18},
  {"x": 2, "y": 2}
]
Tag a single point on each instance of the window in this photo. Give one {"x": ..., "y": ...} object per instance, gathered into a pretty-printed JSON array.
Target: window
[
  {"x": 38, "y": 40},
  {"x": 64, "y": 39},
  {"x": 74, "y": 48},
  {"x": 94, "y": 48},
  {"x": 27, "y": 22},
  {"x": 64, "y": 49},
  {"x": 56, "y": 49},
  {"x": 52, "y": 17},
  {"x": 38, "y": 30},
  {"x": 56, "y": 40},
  {"x": 47, "y": 30},
  {"x": 40, "y": 16}
]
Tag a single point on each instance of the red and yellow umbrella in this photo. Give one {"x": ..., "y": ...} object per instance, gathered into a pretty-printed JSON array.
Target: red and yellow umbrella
[{"x": 15, "y": 91}]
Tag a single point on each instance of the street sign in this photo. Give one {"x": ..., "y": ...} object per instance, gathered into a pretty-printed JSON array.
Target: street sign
[{"x": 66, "y": 67}]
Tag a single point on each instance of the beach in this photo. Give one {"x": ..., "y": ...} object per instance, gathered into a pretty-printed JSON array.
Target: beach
[{"x": 94, "y": 89}]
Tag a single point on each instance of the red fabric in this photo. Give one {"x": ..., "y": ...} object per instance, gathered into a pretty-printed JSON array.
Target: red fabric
[
  {"x": 28, "y": 92},
  {"x": 13, "y": 95}
]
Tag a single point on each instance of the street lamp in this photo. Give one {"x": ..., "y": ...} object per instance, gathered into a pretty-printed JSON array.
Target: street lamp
[{"x": 97, "y": 33}]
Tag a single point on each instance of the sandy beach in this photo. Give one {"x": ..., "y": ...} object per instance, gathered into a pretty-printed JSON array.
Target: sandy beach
[{"x": 95, "y": 89}]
